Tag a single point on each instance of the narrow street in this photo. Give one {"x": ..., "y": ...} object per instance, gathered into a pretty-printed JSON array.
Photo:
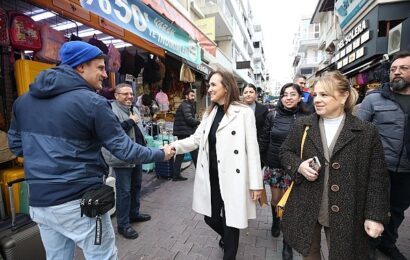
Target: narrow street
[{"x": 176, "y": 232}]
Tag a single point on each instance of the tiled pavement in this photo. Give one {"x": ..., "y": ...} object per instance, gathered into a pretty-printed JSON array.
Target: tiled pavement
[{"x": 176, "y": 232}]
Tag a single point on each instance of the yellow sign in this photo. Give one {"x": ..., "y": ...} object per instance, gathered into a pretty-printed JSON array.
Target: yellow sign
[{"x": 207, "y": 26}]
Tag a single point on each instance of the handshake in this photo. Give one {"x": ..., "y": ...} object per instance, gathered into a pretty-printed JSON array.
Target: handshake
[{"x": 169, "y": 152}]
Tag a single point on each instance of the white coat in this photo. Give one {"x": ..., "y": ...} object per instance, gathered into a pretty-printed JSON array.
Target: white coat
[{"x": 239, "y": 168}]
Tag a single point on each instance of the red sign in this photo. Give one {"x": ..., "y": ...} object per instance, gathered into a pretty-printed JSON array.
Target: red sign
[{"x": 167, "y": 10}]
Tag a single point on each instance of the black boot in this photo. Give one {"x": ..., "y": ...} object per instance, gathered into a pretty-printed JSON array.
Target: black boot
[
  {"x": 287, "y": 253},
  {"x": 275, "y": 230}
]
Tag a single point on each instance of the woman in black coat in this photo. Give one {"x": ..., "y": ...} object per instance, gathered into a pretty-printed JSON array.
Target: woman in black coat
[
  {"x": 276, "y": 128},
  {"x": 348, "y": 196},
  {"x": 249, "y": 97}
]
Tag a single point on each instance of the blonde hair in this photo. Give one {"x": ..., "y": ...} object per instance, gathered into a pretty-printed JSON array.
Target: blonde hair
[{"x": 336, "y": 81}]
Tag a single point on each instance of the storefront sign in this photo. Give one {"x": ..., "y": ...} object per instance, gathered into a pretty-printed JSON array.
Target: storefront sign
[
  {"x": 169, "y": 11},
  {"x": 350, "y": 47},
  {"x": 358, "y": 29},
  {"x": 347, "y": 9},
  {"x": 203, "y": 68},
  {"x": 207, "y": 25},
  {"x": 136, "y": 17}
]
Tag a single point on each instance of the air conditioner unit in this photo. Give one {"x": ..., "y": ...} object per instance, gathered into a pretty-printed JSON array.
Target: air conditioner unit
[{"x": 394, "y": 40}]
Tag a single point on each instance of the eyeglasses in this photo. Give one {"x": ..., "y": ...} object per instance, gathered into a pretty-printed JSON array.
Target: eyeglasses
[
  {"x": 402, "y": 68},
  {"x": 292, "y": 95},
  {"x": 126, "y": 94}
]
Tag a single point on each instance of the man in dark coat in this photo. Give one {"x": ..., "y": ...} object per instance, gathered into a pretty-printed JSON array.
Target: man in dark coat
[
  {"x": 307, "y": 98},
  {"x": 389, "y": 109},
  {"x": 185, "y": 124}
]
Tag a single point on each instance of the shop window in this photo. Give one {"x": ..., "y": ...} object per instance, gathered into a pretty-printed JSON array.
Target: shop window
[{"x": 386, "y": 26}]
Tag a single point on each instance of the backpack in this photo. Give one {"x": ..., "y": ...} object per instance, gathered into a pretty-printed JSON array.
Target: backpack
[
  {"x": 24, "y": 32},
  {"x": 51, "y": 41},
  {"x": 4, "y": 35},
  {"x": 114, "y": 56}
]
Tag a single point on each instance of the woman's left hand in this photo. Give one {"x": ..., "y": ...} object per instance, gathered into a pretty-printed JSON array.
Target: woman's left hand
[
  {"x": 256, "y": 194},
  {"x": 373, "y": 228}
]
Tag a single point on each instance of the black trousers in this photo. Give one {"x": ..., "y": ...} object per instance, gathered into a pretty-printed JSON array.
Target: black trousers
[
  {"x": 399, "y": 202},
  {"x": 217, "y": 222},
  {"x": 180, "y": 157}
]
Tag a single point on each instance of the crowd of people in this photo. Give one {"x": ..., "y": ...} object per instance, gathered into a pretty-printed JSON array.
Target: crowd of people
[{"x": 349, "y": 173}]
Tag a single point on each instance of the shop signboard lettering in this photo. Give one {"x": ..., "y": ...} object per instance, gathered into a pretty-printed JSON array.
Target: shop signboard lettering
[
  {"x": 136, "y": 17},
  {"x": 346, "y": 10},
  {"x": 350, "y": 46}
]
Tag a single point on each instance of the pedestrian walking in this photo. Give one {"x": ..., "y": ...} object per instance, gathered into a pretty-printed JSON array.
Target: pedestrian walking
[
  {"x": 276, "y": 128},
  {"x": 228, "y": 179},
  {"x": 249, "y": 97},
  {"x": 388, "y": 108},
  {"x": 185, "y": 124},
  {"x": 341, "y": 181}
]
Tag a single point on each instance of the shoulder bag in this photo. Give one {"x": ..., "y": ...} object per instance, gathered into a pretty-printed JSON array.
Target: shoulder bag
[{"x": 280, "y": 208}]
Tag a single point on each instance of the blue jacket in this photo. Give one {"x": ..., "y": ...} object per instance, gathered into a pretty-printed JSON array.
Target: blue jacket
[
  {"x": 59, "y": 127},
  {"x": 381, "y": 108}
]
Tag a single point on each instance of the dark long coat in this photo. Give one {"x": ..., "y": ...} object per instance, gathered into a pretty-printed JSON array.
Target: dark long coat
[{"x": 358, "y": 187}]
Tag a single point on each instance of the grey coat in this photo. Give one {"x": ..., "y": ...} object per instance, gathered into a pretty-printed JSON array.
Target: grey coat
[
  {"x": 381, "y": 108},
  {"x": 358, "y": 187}
]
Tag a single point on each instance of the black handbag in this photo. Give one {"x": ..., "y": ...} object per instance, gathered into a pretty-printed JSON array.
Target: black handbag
[{"x": 95, "y": 203}]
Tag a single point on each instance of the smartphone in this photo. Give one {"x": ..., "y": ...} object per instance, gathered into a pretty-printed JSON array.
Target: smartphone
[{"x": 315, "y": 164}]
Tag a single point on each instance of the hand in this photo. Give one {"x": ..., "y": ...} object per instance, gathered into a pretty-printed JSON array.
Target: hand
[
  {"x": 373, "y": 228},
  {"x": 256, "y": 194},
  {"x": 169, "y": 152},
  {"x": 135, "y": 118},
  {"x": 307, "y": 171}
]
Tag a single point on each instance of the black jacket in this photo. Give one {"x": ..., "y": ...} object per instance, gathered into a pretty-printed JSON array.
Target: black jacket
[
  {"x": 260, "y": 115},
  {"x": 185, "y": 122},
  {"x": 277, "y": 125}
]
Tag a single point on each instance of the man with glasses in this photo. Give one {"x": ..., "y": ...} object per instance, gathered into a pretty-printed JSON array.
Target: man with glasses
[
  {"x": 128, "y": 177},
  {"x": 389, "y": 109}
]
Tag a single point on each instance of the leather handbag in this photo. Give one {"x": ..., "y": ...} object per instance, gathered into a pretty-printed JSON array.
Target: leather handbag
[{"x": 280, "y": 208}]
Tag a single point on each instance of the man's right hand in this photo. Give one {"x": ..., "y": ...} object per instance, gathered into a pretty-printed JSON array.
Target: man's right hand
[
  {"x": 168, "y": 151},
  {"x": 135, "y": 118}
]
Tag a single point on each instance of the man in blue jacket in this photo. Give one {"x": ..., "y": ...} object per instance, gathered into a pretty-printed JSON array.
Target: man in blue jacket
[
  {"x": 389, "y": 109},
  {"x": 59, "y": 127}
]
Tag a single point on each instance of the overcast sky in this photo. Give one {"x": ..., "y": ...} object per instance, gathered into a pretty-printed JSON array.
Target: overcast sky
[{"x": 280, "y": 21}]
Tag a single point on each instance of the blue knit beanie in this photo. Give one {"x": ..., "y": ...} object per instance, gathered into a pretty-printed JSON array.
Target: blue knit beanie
[{"x": 77, "y": 52}]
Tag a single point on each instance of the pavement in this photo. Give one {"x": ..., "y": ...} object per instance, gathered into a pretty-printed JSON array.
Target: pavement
[{"x": 176, "y": 232}]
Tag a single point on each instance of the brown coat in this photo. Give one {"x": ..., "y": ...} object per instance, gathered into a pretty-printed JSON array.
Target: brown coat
[{"x": 358, "y": 187}]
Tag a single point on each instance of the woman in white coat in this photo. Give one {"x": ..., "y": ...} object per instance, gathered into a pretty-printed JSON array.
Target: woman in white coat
[{"x": 228, "y": 179}]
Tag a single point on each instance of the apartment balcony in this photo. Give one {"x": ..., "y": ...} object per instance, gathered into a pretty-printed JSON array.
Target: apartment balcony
[
  {"x": 311, "y": 40},
  {"x": 223, "y": 16}
]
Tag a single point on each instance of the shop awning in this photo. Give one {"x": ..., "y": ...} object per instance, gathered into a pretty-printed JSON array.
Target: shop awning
[
  {"x": 74, "y": 11},
  {"x": 169, "y": 11},
  {"x": 138, "y": 18}
]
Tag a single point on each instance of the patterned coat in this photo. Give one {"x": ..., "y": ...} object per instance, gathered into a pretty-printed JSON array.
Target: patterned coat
[{"x": 358, "y": 187}]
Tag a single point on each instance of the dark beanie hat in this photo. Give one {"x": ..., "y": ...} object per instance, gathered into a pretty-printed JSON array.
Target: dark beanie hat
[{"x": 77, "y": 52}]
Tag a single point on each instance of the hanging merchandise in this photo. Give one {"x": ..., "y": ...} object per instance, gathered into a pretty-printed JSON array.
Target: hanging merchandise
[
  {"x": 127, "y": 63},
  {"x": 162, "y": 100},
  {"x": 74, "y": 37},
  {"x": 139, "y": 64},
  {"x": 151, "y": 73},
  {"x": 24, "y": 32},
  {"x": 114, "y": 56},
  {"x": 186, "y": 74},
  {"x": 4, "y": 36},
  {"x": 162, "y": 69},
  {"x": 51, "y": 42},
  {"x": 361, "y": 78},
  {"x": 99, "y": 44}
]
